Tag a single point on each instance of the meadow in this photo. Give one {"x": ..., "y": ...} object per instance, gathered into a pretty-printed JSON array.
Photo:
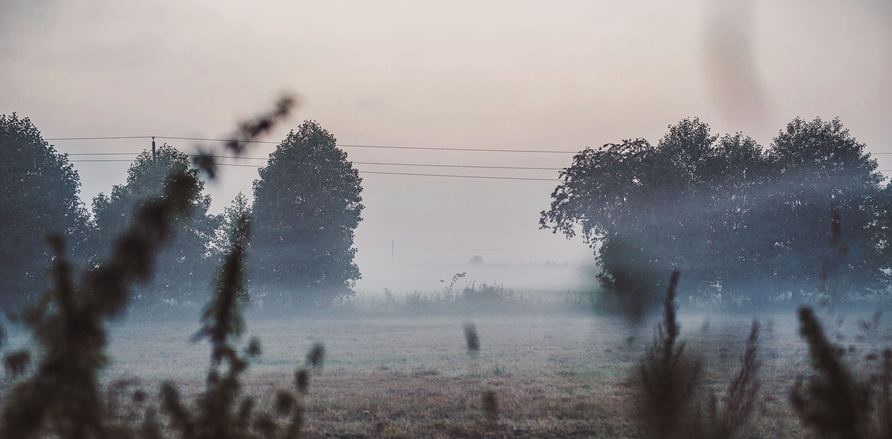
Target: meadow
[{"x": 553, "y": 375}]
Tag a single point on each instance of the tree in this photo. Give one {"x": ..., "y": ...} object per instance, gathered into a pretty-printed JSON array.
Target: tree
[
  {"x": 188, "y": 261},
  {"x": 743, "y": 223},
  {"x": 819, "y": 167},
  {"x": 306, "y": 206},
  {"x": 39, "y": 194}
]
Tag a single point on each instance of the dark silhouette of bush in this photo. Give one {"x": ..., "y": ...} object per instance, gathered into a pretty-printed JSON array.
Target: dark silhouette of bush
[
  {"x": 833, "y": 403},
  {"x": 670, "y": 384},
  {"x": 472, "y": 340},
  {"x": 668, "y": 377}
]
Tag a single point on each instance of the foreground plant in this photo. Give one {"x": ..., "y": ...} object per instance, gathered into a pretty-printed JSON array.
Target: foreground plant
[
  {"x": 671, "y": 382},
  {"x": 668, "y": 377},
  {"x": 220, "y": 412},
  {"x": 62, "y": 397},
  {"x": 834, "y": 403}
]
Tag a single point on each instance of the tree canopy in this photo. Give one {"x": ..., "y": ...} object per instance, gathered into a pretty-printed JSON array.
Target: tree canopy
[
  {"x": 39, "y": 194},
  {"x": 306, "y": 206},
  {"x": 741, "y": 222},
  {"x": 187, "y": 263}
]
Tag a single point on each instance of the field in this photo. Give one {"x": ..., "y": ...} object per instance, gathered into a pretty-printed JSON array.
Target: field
[{"x": 553, "y": 376}]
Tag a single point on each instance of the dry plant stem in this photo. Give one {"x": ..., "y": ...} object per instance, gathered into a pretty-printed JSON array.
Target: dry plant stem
[
  {"x": 668, "y": 378},
  {"x": 472, "y": 340},
  {"x": 885, "y": 417},
  {"x": 220, "y": 412},
  {"x": 833, "y": 404},
  {"x": 62, "y": 397},
  {"x": 740, "y": 397},
  {"x": 65, "y": 387}
]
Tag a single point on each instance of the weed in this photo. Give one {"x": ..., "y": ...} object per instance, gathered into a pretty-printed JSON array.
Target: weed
[
  {"x": 740, "y": 396},
  {"x": 471, "y": 339},
  {"x": 62, "y": 397},
  {"x": 671, "y": 381},
  {"x": 833, "y": 403},
  {"x": 490, "y": 406},
  {"x": 498, "y": 369},
  {"x": 668, "y": 377}
]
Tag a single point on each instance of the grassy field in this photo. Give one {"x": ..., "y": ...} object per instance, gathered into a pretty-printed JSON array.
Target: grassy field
[{"x": 553, "y": 376}]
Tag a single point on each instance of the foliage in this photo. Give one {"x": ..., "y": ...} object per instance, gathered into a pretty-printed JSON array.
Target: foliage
[
  {"x": 306, "y": 206},
  {"x": 187, "y": 263},
  {"x": 229, "y": 220},
  {"x": 62, "y": 397},
  {"x": 740, "y": 221},
  {"x": 39, "y": 194}
]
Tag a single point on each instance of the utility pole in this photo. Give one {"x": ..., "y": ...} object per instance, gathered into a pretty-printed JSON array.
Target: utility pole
[
  {"x": 153, "y": 149},
  {"x": 391, "y": 251}
]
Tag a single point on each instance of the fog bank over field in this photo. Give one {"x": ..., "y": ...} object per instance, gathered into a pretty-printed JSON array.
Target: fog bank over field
[{"x": 400, "y": 279}]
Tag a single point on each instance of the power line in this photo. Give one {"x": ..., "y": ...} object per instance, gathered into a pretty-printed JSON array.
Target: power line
[
  {"x": 525, "y": 168},
  {"x": 470, "y": 249},
  {"x": 344, "y": 145},
  {"x": 487, "y": 177},
  {"x": 347, "y": 145},
  {"x": 102, "y": 138}
]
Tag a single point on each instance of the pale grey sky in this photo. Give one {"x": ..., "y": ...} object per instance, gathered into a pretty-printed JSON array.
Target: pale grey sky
[{"x": 468, "y": 74}]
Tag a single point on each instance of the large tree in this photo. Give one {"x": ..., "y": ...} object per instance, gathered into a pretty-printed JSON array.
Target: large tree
[
  {"x": 39, "y": 195},
  {"x": 741, "y": 222},
  {"x": 185, "y": 264},
  {"x": 306, "y": 206}
]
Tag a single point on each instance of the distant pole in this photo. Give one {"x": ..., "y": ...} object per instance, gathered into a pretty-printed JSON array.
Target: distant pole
[
  {"x": 391, "y": 251},
  {"x": 153, "y": 149}
]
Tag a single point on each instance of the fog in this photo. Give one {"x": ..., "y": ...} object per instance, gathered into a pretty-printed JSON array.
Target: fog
[
  {"x": 469, "y": 318},
  {"x": 528, "y": 75}
]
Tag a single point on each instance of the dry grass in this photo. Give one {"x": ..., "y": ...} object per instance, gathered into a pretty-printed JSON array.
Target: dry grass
[{"x": 552, "y": 376}]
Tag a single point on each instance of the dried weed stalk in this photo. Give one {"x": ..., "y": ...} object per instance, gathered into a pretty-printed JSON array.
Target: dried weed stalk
[
  {"x": 490, "y": 406},
  {"x": 727, "y": 421},
  {"x": 668, "y": 377},
  {"x": 833, "y": 403},
  {"x": 62, "y": 397},
  {"x": 220, "y": 412},
  {"x": 671, "y": 380}
]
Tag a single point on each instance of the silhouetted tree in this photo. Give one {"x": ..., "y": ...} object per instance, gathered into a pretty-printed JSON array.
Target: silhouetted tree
[
  {"x": 187, "y": 263},
  {"x": 820, "y": 167},
  {"x": 739, "y": 220},
  {"x": 39, "y": 195},
  {"x": 306, "y": 205}
]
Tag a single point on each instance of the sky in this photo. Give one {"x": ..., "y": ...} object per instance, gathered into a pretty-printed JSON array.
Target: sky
[{"x": 508, "y": 75}]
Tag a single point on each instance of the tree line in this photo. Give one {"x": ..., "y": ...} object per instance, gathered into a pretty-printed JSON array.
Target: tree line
[
  {"x": 807, "y": 218},
  {"x": 747, "y": 225},
  {"x": 306, "y": 206}
]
